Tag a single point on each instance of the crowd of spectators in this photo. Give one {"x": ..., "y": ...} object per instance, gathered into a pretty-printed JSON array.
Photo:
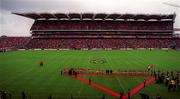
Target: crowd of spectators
[
  {"x": 99, "y": 35},
  {"x": 101, "y": 39},
  {"x": 177, "y": 42},
  {"x": 101, "y": 43},
  {"x": 77, "y": 43},
  {"x": 13, "y": 42},
  {"x": 101, "y": 25}
]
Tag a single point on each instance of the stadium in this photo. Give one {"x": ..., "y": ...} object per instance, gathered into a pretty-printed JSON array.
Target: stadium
[{"x": 92, "y": 56}]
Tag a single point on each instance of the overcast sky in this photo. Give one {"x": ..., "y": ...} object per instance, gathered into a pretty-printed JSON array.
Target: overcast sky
[{"x": 13, "y": 25}]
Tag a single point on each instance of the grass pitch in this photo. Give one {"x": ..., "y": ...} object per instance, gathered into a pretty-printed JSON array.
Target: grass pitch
[{"x": 20, "y": 71}]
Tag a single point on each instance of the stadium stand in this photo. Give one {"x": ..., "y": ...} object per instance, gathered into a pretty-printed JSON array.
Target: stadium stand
[
  {"x": 75, "y": 31},
  {"x": 13, "y": 42},
  {"x": 101, "y": 43}
]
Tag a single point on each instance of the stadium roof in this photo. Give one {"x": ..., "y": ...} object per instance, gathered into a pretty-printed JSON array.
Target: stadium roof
[{"x": 93, "y": 16}]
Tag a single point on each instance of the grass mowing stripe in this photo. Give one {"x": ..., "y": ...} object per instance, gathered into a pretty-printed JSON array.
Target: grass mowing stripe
[
  {"x": 112, "y": 69},
  {"x": 19, "y": 75}
]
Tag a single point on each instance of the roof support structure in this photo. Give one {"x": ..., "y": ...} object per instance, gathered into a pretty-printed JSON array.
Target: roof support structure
[
  {"x": 94, "y": 16},
  {"x": 106, "y": 16}
]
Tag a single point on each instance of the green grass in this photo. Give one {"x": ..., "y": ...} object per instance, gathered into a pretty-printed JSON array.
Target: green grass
[{"x": 20, "y": 71}]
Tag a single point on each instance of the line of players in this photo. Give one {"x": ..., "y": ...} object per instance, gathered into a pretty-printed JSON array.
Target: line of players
[{"x": 75, "y": 71}]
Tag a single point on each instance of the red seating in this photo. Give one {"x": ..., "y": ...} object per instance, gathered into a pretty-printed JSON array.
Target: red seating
[
  {"x": 101, "y": 25},
  {"x": 101, "y": 43},
  {"x": 25, "y": 42},
  {"x": 13, "y": 42}
]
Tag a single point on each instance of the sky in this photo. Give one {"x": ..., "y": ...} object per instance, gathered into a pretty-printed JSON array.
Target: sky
[{"x": 13, "y": 25}]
